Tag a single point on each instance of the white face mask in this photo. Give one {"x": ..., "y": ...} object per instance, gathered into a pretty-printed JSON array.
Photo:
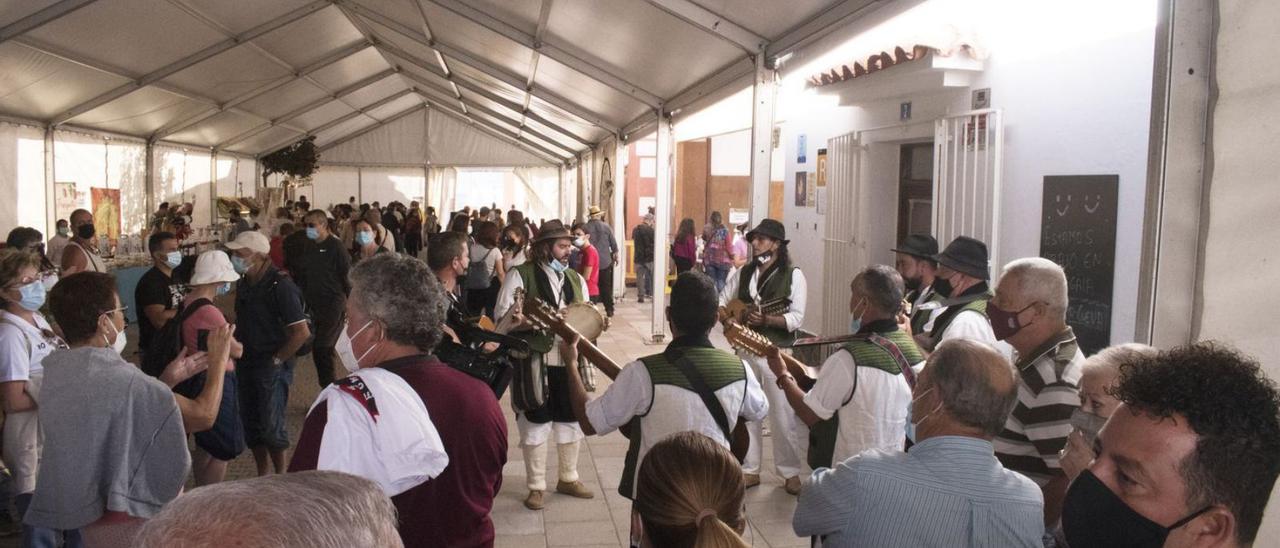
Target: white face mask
[
  {"x": 345, "y": 351},
  {"x": 120, "y": 342}
]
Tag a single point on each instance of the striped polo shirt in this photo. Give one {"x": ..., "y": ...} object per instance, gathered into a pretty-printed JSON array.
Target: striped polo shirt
[{"x": 1048, "y": 392}]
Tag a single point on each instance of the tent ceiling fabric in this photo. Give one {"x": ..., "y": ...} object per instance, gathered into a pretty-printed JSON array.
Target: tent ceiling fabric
[{"x": 552, "y": 77}]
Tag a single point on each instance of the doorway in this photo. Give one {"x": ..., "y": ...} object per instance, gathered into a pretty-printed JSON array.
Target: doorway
[{"x": 915, "y": 189}]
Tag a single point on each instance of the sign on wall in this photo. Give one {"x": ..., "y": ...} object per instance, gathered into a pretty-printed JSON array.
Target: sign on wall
[
  {"x": 65, "y": 199},
  {"x": 1078, "y": 231},
  {"x": 802, "y": 191},
  {"x": 106, "y": 212}
]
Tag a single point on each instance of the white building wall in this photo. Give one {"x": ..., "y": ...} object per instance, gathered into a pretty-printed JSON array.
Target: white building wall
[{"x": 1066, "y": 114}]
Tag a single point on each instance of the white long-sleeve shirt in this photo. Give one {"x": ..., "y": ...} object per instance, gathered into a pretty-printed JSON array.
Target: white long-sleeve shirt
[{"x": 799, "y": 290}]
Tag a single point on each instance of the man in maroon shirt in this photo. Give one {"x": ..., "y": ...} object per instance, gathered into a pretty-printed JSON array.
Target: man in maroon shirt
[{"x": 394, "y": 325}]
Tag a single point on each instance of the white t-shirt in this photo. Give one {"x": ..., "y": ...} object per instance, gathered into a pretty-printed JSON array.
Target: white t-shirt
[
  {"x": 23, "y": 346},
  {"x": 669, "y": 409},
  {"x": 875, "y": 417},
  {"x": 972, "y": 325}
]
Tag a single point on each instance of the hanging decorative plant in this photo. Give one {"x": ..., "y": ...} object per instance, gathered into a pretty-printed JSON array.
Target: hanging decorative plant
[{"x": 297, "y": 161}]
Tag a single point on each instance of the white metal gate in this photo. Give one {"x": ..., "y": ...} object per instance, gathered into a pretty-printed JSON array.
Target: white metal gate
[
  {"x": 845, "y": 245},
  {"x": 966, "y": 179}
]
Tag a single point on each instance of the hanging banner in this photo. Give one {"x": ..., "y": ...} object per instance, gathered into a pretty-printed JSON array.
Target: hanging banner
[
  {"x": 65, "y": 199},
  {"x": 106, "y": 212},
  {"x": 802, "y": 192}
]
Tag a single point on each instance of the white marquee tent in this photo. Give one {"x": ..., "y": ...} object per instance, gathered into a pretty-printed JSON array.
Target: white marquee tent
[{"x": 161, "y": 98}]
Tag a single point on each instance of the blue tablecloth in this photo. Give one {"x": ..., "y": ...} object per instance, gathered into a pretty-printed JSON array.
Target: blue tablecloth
[{"x": 126, "y": 282}]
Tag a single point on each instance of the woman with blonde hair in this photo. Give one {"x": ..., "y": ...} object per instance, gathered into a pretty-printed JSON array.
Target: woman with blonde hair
[{"x": 689, "y": 493}]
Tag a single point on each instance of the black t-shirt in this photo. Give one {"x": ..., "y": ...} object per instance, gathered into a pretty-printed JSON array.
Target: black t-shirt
[
  {"x": 324, "y": 271},
  {"x": 155, "y": 288},
  {"x": 263, "y": 310}
]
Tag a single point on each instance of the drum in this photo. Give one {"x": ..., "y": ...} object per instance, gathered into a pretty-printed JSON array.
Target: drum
[{"x": 586, "y": 319}]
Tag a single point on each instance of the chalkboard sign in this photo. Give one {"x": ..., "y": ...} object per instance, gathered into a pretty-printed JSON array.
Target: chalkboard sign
[{"x": 1078, "y": 231}]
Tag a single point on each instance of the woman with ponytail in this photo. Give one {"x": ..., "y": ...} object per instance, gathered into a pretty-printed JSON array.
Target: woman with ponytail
[{"x": 689, "y": 494}]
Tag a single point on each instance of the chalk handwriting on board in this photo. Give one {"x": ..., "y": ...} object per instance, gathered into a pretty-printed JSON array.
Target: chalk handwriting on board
[{"x": 1078, "y": 231}]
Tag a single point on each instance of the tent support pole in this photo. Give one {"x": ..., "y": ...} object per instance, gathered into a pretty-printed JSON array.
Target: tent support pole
[
  {"x": 149, "y": 183},
  {"x": 51, "y": 204},
  {"x": 619, "y": 207},
  {"x": 661, "y": 228},
  {"x": 764, "y": 89}
]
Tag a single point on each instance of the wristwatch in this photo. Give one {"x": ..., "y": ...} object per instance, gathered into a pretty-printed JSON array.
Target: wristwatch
[
  {"x": 276, "y": 361},
  {"x": 785, "y": 377}
]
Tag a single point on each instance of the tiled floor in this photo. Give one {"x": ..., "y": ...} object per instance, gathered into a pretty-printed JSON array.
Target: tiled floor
[{"x": 602, "y": 521}]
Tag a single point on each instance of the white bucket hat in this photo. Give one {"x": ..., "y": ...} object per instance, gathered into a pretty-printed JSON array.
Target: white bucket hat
[
  {"x": 252, "y": 240},
  {"x": 213, "y": 267}
]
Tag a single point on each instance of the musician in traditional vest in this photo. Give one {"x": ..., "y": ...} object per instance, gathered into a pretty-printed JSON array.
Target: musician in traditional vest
[
  {"x": 860, "y": 398},
  {"x": 691, "y": 386},
  {"x": 548, "y": 278},
  {"x": 771, "y": 282},
  {"x": 918, "y": 266},
  {"x": 962, "y": 283}
]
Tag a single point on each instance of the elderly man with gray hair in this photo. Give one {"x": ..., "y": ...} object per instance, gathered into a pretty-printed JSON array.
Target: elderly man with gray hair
[
  {"x": 392, "y": 419},
  {"x": 949, "y": 489},
  {"x": 1029, "y": 311},
  {"x": 306, "y": 510}
]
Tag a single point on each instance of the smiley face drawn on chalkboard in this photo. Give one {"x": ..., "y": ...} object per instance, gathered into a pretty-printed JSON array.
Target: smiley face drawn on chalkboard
[
  {"x": 1091, "y": 209},
  {"x": 1062, "y": 208}
]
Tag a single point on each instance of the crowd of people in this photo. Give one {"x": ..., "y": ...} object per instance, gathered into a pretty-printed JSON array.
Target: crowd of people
[{"x": 956, "y": 409}]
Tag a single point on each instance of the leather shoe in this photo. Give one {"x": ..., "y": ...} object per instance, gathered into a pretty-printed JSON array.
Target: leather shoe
[
  {"x": 750, "y": 480},
  {"x": 534, "y": 500},
  {"x": 574, "y": 489},
  {"x": 792, "y": 486}
]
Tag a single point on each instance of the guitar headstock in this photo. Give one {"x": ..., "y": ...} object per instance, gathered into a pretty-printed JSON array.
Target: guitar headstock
[{"x": 745, "y": 338}]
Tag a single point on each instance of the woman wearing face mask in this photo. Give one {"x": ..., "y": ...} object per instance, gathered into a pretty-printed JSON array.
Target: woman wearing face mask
[
  {"x": 1098, "y": 376},
  {"x": 216, "y": 446},
  {"x": 58, "y": 242},
  {"x": 30, "y": 240},
  {"x": 117, "y": 450},
  {"x": 514, "y": 245},
  {"x": 365, "y": 242},
  {"x": 25, "y": 339}
]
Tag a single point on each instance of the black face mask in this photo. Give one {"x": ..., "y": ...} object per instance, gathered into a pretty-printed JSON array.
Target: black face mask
[
  {"x": 1094, "y": 516},
  {"x": 942, "y": 286},
  {"x": 85, "y": 231},
  {"x": 912, "y": 284}
]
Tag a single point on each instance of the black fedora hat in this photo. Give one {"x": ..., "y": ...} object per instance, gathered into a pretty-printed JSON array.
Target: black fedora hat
[
  {"x": 967, "y": 256},
  {"x": 920, "y": 246},
  {"x": 770, "y": 228}
]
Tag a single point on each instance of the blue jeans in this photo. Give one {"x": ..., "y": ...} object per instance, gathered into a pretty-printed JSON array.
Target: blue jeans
[
  {"x": 719, "y": 273},
  {"x": 644, "y": 280},
  {"x": 264, "y": 396},
  {"x": 39, "y": 537}
]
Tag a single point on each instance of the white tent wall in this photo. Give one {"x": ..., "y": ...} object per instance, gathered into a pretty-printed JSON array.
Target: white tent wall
[
  {"x": 400, "y": 142},
  {"x": 332, "y": 185},
  {"x": 441, "y": 187},
  {"x": 22, "y": 184},
  {"x": 235, "y": 176},
  {"x": 388, "y": 184},
  {"x": 95, "y": 161},
  {"x": 183, "y": 175}
]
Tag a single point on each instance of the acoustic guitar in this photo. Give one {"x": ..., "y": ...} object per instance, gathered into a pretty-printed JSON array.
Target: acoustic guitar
[
  {"x": 738, "y": 311},
  {"x": 745, "y": 339},
  {"x": 545, "y": 318}
]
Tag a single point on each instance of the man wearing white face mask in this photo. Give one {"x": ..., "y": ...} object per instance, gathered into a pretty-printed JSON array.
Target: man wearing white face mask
[
  {"x": 161, "y": 288},
  {"x": 860, "y": 398},
  {"x": 392, "y": 419},
  {"x": 546, "y": 277},
  {"x": 213, "y": 277}
]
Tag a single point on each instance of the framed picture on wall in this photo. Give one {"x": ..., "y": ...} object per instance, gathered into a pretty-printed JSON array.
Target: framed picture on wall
[
  {"x": 802, "y": 193},
  {"x": 811, "y": 192}
]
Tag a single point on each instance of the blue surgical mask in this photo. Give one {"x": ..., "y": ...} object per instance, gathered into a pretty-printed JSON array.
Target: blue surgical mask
[
  {"x": 32, "y": 295},
  {"x": 173, "y": 259},
  {"x": 64, "y": 231},
  {"x": 224, "y": 289},
  {"x": 855, "y": 323},
  {"x": 364, "y": 238},
  {"x": 579, "y": 242},
  {"x": 911, "y": 422},
  {"x": 313, "y": 233},
  {"x": 239, "y": 264},
  {"x": 559, "y": 266}
]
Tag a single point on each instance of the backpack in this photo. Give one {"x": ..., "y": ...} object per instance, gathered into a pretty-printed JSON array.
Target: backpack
[
  {"x": 309, "y": 344},
  {"x": 167, "y": 342},
  {"x": 479, "y": 276}
]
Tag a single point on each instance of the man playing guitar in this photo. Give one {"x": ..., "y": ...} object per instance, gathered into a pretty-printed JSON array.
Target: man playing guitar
[
  {"x": 546, "y": 277},
  {"x": 690, "y": 386},
  {"x": 769, "y": 278}
]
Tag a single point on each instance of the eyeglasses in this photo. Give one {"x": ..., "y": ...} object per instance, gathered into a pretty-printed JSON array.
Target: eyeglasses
[
  {"x": 120, "y": 309},
  {"x": 27, "y": 280}
]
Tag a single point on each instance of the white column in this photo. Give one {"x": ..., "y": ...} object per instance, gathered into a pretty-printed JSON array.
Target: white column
[
  {"x": 50, "y": 202},
  {"x": 764, "y": 91},
  {"x": 662, "y": 227},
  {"x": 213, "y": 187},
  {"x": 619, "y": 217}
]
